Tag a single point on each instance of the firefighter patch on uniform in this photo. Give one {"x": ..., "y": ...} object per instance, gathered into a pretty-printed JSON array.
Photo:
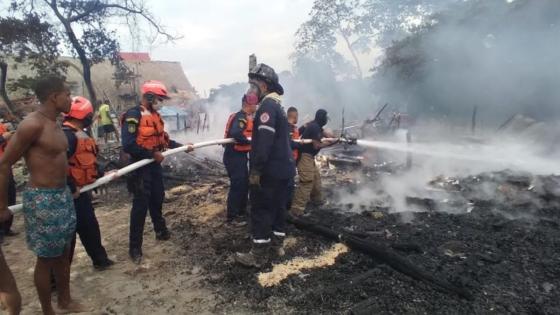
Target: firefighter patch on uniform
[
  {"x": 264, "y": 118},
  {"x": 132, "y": 128},
  {"x": 241, "y": 125}
]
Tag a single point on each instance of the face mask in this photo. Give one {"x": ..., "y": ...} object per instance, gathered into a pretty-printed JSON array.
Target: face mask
[
  {"x": 154, "y": 100},
  {"x": 88, "y": 121},
  {"x": 254, "y": 89}
]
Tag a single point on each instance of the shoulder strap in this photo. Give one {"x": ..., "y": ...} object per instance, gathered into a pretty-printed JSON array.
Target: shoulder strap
[
  {"x": 274, "y": 96},
  {"x": 69, "y": 125}
]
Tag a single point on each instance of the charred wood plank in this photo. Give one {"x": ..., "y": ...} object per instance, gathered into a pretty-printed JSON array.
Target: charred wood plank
[
  {"x": 426, "y": 203},
  {"x": 400, "y": 246},
  {"x": 407, "y": 247},
  {"x": 384, "y": 254}
]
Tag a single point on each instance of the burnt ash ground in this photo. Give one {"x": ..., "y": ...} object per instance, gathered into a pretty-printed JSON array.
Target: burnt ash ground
[{"x": 506, "y": 252}]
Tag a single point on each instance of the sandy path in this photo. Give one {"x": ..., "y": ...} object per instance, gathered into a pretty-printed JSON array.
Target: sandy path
[{"x": 164, "y": 284}]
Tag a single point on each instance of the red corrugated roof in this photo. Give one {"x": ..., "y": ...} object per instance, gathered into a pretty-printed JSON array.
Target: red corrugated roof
[{"x": 132, "y": 56}]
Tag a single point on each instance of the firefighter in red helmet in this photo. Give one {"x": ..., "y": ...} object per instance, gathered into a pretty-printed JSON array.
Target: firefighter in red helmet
[
  {"x": 144, "y": 137},
  {"x": 236, "y": 159},
  {"x": 82, "y": 171}
]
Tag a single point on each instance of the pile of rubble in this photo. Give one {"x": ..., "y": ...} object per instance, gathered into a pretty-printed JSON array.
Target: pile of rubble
[
  {"x": 476, "y": 244},
  {"x": 500, "y": 249}
]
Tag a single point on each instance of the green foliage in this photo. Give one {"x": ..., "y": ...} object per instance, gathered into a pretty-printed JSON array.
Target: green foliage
[
  {"x": 30, "y": 40},
  {"x": 359, "y": 25},
  {"x": 81, "y": 26},
  {"x": 498, "y": 55},
  {"x": 329, "y": 21}
]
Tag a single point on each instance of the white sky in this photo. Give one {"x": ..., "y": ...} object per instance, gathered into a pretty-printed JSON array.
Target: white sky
[{"x": 219, "y": 36}]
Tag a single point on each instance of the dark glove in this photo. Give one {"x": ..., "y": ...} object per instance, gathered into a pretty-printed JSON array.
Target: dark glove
[
  {"x": 352, "y": 141},
  {"x": 255, "y": 178},
  {"x": 100, "y": 170}
]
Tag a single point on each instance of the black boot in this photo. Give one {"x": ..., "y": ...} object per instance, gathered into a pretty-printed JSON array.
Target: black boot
[
  {"x": 103, "y": 264},
  {"x": 236, "y": 222},
  {"x": 135, "y": 255},
  {"x": 163, "y": 235},
  {"x": 257, "y": 257}
]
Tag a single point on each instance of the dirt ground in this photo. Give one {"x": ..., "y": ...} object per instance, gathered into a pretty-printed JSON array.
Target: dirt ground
[
  {"x": 502, "y": 249},
  {"x": 165, "y": 283}
]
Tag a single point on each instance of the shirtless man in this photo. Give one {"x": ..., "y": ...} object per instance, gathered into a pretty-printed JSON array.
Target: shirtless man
[{"x": 50, "y": 219}]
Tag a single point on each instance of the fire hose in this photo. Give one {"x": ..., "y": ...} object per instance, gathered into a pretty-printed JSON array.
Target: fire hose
[
  {"x": 134, "y": 166},
  {"x": 375, "y": 250}
]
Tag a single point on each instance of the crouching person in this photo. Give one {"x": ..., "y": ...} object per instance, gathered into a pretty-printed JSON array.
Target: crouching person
[{"x": 82, "y": 170}]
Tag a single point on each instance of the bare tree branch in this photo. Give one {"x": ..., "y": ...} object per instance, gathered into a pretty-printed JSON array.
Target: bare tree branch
[{"x": 98, "y": 7}]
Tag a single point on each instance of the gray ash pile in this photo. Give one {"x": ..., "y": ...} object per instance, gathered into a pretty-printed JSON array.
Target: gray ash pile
[{"x": 501, "y": 247}]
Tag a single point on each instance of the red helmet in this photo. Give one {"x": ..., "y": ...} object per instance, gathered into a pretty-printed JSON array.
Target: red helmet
[
  {"x": 81, "y": 107},
  {"x": 154, "y": 87}
]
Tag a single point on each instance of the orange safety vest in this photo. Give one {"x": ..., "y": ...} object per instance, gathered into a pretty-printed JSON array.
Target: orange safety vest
[
  {"x": 82, "y": 164},
  {"x": 3, "y": 129},
  {"x": 295, "y": 135},
  {"x": 151, "y": 134},
  {"x": 248, "y": 132}
]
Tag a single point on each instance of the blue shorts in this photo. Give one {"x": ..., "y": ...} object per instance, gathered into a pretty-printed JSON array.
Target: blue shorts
[{"x": 50, "y": 220}]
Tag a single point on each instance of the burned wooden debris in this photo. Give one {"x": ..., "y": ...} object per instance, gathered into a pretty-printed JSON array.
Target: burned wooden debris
[{"x": 382, "y": 253}]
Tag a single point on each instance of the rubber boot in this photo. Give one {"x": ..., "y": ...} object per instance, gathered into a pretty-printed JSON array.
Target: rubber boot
[
  {"x": 257, "y": 257},
  {"x": 278, "y": 243}
]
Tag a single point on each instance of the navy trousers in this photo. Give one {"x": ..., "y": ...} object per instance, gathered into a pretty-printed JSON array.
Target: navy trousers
[
  {"x": 268, "y": 207},
  {"x": 236, "y": 164},
  {"x": 148, "y": 196},
  {"x": 87, "y": 228},
  {"x": 291, "y": 191}
]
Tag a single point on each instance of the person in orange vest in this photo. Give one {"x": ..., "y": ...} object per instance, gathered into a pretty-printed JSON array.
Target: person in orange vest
[
  {"x": 240, "y": 128},
  {"x": 144, "y": 137},
  {"x": 82, "y": 171},
  {"x": 5, "y": 136},
  {"x": 294, "y": 135}
]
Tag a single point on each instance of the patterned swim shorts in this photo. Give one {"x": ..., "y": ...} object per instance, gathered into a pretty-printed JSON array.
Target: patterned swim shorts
[{"x": 50, "y": 220}]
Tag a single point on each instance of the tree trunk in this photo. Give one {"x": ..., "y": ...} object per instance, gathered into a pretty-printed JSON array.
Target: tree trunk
[
  {"x": 81, "y": 54},
  {"x": 84, "y": 61},
  {"x": 3, "y": 78},
  {"x": 354, "y": 56}
]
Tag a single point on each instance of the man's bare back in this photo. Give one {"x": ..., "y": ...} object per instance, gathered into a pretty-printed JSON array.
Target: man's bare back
[{"x": 46, "y": 156}]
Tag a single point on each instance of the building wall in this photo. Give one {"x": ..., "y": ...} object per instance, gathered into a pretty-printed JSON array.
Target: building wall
[{"x": 170, "y": 73}]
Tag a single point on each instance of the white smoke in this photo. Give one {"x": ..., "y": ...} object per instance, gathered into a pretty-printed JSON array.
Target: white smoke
[
  {"x": 446, "y": 162},
  {"x": 217, "y": 114}
]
